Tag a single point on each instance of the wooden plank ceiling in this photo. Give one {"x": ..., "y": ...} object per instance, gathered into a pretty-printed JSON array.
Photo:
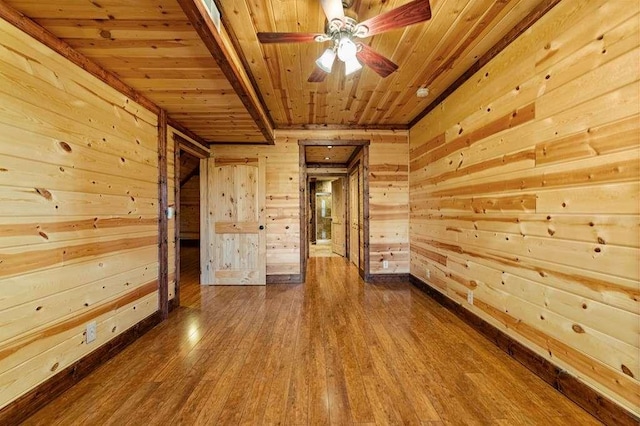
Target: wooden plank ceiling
[
  {"x": 325, "y": 155},
  {"x": 432, "y": 54},
  {"x": 152, "y": 47}
]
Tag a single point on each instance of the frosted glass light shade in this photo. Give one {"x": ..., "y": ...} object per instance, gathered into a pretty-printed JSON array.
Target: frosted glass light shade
[
  {"x": 351, "y": 66},
  {"x": 347, "y": 49},
  {"x": 326, "y": 60}
]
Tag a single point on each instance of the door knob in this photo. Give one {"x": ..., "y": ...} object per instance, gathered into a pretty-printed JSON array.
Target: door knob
[{"x": 261, "y": 227}]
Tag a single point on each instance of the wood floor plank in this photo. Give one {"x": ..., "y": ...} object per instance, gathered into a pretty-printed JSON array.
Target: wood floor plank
[{"x": 331, "y": 351}]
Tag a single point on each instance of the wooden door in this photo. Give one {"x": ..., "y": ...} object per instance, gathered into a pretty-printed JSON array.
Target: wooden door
[
  {"x": 236, "y": 222},
  {"x": 338, "y": 231},
  {"x": 354, "y": 218}
]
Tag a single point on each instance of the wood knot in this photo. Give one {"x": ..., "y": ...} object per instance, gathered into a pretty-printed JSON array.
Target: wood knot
[
  {"x": 55, "y": 366},
  {"x": 44, "y": 193},
  {"x": 578, "y": 329},
  {"x": 601, "y": 241},
  {"x": 43, "y": 235},
  {"x": 65, "y": 146},
  {"x": 626, "y": 370},
  {"x": 105, "y": 34},
  {"x": 2, "y": 169}
]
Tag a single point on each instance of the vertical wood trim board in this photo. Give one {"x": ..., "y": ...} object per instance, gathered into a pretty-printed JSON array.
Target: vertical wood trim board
[
  {"x": 171, "y": 223},
  {"x": 304, "y": 216},
  {"x": 78, "y": 214},
  {"x": 163, "y": 223},
  {"x": 524, "y": 189},
  {"x": 178, "y": 216},
  {"x": 206, "y": 220},
  {"x": 366, "y": 214}
]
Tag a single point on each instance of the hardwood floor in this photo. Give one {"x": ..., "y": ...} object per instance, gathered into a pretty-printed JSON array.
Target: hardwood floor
[
  {"x": 322, "y": 249},
  {"x": 331, "y": 351}
]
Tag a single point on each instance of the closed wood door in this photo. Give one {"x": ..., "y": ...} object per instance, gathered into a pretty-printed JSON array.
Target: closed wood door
[
  {"x": 354, "y": 218},
  {"x": 338, "y": 231},
  {"x": 237, "y": 254}
]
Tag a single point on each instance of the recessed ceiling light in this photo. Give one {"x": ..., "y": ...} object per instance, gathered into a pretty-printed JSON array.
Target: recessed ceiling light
[
  {"x": 326, "y": 158},
  {"x": 330, "y": 146},
  {"x": 422, "y": 92}
]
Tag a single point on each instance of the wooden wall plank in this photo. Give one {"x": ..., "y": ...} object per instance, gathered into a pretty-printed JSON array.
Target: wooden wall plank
[
  {"x": 540, "y": 218},
  {"x": 78, "y": 212}
]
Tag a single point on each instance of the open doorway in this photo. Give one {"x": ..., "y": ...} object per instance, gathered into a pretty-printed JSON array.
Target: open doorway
[
  {"x": 329, "y": 205},
  {"x": 188, "y": 158},
  {"x": 327, "y": 233}
]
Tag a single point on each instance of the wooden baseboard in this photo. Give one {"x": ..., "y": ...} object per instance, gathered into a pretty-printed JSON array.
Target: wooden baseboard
[
  {"x": 387, "y": 278},
  {"x": 584, "y": 396},
  {"x": 284, "y": 279},
  {"x": 23, "y": 407}
]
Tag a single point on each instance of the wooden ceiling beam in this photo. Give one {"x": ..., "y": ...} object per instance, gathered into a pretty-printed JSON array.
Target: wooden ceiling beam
[
  {"x": 533, "y": 17},
  {"x": 221, "y": 48}
]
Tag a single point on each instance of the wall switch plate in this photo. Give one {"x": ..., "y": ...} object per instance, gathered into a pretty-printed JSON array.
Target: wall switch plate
[
  {"x": 428, "y": 273},
  {"x": 385, "y": 264},
  {"x": 91, "y": 332},
  {"x": 470, "y": 297}
]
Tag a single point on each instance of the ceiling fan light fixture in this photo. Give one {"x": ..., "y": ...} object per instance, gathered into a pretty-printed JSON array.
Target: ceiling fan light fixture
[
  {"x": 326, "y": 60},
  {"x": 351, "y": 66}
]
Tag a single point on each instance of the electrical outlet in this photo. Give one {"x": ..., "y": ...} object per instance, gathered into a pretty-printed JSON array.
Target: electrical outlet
[
  {"x": 470, "y": 297},
  {"x": 428, "y": 273},
  {"x": 91, "y": 332},
  {"x": 385, "y": 264}
]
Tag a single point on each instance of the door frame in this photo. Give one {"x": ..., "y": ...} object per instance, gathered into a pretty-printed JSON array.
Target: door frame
[
  {"x": 303, "y": 190},
  {"x": 181, "y": 143}
]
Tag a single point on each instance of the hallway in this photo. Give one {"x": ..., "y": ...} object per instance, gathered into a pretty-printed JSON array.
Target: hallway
[{"x": 331, "y": 351}]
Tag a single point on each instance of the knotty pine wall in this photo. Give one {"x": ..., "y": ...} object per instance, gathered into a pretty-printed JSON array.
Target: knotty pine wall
[
  {"x": 524, "y": 188},
  {"x": 78, "y": 212}
]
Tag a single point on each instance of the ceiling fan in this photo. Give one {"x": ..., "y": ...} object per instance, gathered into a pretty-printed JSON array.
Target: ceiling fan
[{"x": 343, "y": 31}]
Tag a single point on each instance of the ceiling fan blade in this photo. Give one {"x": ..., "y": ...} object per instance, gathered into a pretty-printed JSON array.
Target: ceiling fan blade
[
  {"x": 317, "y": 76},
  {"x": 287, "y": 37},
  {"x": 332, "y": 9},
  {"x": 381, "y": 65},
  {"x": 403, "y": 16}
]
